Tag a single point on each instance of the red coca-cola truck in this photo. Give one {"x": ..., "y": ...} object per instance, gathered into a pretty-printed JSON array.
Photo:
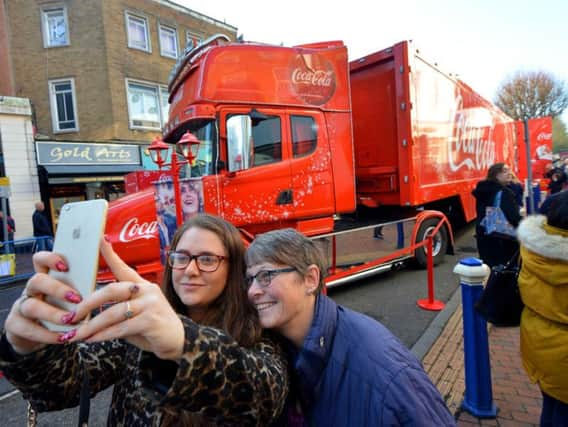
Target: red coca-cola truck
[{"x": 385, "y": 146}]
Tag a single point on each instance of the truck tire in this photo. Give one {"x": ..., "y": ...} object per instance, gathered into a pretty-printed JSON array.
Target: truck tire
[{"x": 439, "y": 243}]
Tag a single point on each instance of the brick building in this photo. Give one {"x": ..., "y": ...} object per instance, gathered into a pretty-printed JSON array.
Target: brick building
[{"x": 96, "y": 73}]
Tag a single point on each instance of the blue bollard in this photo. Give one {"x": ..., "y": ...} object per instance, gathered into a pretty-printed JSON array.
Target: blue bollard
[{"x": 478, "y": 396}]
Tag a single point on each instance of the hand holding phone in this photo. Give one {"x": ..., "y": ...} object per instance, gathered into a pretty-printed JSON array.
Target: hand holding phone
[{"x": 79, "y": 231}]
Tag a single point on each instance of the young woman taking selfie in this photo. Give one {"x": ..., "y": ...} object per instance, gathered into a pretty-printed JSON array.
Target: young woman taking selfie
[{"x": 192, "y": 355}]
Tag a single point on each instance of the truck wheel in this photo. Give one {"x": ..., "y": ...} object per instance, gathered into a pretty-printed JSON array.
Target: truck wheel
[{"x": 439, "y": 243}]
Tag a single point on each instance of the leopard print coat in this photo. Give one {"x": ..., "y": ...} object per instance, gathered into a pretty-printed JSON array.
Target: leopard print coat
[{"x": 216, "y": 379}]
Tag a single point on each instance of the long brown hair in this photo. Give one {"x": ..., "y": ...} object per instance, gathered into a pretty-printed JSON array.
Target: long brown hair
[
  {"x": 495, "y": 170},
  {"x": 231, "y": 311}
]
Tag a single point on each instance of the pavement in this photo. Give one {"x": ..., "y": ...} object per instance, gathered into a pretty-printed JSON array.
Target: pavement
[{"x": 518, "y": 401}]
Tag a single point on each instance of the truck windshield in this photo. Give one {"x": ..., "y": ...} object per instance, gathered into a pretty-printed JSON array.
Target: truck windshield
[{"x": 207, "y": 155}]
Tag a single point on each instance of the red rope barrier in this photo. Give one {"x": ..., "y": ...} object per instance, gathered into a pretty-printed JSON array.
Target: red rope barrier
[
  {"x": 427, "y": 304},
  {"x": 430, "y": 303}
]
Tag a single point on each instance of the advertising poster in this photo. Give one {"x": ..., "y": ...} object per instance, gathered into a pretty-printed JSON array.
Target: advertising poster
[
  {"x": 191, "y": 191},
  {"x": 540, "y": 134},
  {"x": 166, "y": 214}
]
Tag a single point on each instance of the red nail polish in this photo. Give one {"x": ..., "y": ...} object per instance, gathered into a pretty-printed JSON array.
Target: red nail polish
[
  {"x": 107, "y": 239},
  {"x": 67, "y": 336},
  {"x": 60, "y": 265},
  {"x": 68, "y": 318},
  {"x": 73, "y": 297}
]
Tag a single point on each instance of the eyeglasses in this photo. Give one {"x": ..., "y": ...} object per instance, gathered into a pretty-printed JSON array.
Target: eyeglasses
[
  {"x": 264, "y": 277},
  {"x": 207, "y": 263}
]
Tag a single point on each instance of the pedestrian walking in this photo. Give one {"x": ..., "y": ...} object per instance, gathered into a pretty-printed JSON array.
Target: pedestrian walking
[
  {"x": 495, "y": 250},
  {"x": 193, "y": 354},
  {"x": 543, "y": 210},
  {"x": 544, "y": 323},
  {"x": 557, "y": 177},
  {"x": 11, "y": 228},
  {"x": 42, "y": 228},
  {"x": 347, "y": 369}
]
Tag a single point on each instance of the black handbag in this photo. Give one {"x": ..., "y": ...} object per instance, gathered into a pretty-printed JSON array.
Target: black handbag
[{"x": 500, "y": 303}]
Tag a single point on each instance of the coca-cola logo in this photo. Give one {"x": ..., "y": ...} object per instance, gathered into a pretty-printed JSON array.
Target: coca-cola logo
[
  {"x": 312, "y": 78},
  {"x": 544, "y": 136},
  {"x": 472, "y": 144},
  {"x": 133, "y": 230}
]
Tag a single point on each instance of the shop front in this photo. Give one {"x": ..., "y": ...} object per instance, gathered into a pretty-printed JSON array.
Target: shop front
[{"x": 70, "y": 172}]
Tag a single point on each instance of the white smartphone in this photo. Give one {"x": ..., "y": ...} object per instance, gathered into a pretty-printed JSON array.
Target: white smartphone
[{"x": 79, "y": 232}]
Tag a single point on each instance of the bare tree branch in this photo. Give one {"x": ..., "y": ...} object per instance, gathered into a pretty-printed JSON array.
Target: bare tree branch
[{"x": 532, "y": 94}]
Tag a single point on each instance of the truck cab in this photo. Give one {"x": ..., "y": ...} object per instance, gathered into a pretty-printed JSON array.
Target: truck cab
[{"x": 275, "y": 132}]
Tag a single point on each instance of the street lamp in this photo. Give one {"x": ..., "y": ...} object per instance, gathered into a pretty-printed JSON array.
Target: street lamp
[{"x": 189, "y": 146}]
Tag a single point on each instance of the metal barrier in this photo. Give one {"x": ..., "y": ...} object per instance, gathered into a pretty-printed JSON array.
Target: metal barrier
[
  {"x": 363, "y": 269},
  {"x": 16, "y": 257}
]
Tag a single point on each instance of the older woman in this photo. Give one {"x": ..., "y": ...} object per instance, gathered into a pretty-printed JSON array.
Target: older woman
[
  {"x": 192, "y": 355},
  {"x": 349, "y": 370}
]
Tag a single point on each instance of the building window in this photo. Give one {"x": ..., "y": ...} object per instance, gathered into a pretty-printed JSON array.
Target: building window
[
  {"x": 168, "y": 41},
  {"x": 137, "y": 30},
  {"x": 147, "y": 105},
  {"x": 63, "y": 107},
  {"x": 55, "y": 27},
  {"x": 193, "y": 37}
]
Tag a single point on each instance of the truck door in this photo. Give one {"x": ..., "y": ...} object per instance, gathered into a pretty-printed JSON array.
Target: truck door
[
  {"x": 257, "y": 187},
  {"x": 312, "y": 178}
]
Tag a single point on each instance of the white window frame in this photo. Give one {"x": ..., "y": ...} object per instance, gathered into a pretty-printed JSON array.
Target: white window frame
[
  {"x": 168, "y": 30},
  {"x": 193, "y": 36},
  {"x": 140, "y": 19},
  {"x": 53, "y": 104},
  {"x": 164, "y": 95},
  {"x": 47, "y": 43},
  {"x": 159, "y": 89}
]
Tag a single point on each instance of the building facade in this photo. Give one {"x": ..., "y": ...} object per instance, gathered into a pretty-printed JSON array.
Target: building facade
[
  {"x": 96, "y": 73},
  {"x": 18, "y": 161}
]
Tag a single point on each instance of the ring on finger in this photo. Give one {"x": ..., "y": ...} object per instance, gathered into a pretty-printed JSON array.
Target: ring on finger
[
  {"x": 128, "y": 313},
  {"x": 133, "y": 288},
  {"x": 23, "y": 298}
]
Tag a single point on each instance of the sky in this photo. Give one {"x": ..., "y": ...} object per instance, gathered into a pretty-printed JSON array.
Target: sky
[{"x": 483, "y": 41}]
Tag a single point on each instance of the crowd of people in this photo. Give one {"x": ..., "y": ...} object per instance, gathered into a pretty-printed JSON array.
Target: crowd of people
[
  {"x": 541, "y": 247},
  {"x": 237, "y": 336}
]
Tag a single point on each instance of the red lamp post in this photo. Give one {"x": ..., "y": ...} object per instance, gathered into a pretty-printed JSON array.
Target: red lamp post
[{"x": 189, "y": 146}]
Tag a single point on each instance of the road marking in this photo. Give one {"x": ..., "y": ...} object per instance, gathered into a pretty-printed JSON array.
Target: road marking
[{"x": 7, "y": 395}]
